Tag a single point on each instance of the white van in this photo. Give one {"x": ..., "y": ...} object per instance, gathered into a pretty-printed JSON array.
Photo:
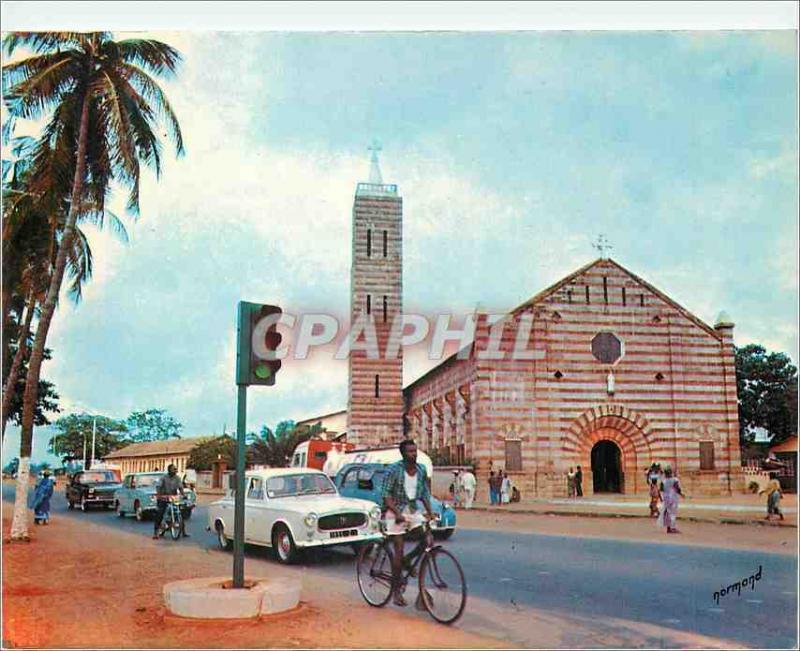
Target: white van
[{"x": 386, "y": 455}]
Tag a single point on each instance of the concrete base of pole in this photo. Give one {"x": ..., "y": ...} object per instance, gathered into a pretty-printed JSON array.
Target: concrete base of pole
[{"x": 208, "y": 598}]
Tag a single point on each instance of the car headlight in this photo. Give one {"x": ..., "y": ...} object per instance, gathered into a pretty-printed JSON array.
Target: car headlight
[
  {"x": 310, "y": 520},
  {"x": 152, "y": 498},
  {"x": 375, "y": 513},
  {"x": 91, "y": 491}
]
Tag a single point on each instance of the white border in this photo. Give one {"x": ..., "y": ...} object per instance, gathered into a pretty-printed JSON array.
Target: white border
[{"x": 398, "y": 16}]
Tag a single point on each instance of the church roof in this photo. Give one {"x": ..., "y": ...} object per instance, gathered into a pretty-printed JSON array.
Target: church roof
[
  {"x": 542, "y": 295},
  {"x": 538, "y": 298}
]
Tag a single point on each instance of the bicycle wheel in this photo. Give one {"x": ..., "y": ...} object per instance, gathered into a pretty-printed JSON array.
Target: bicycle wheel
[
  {"x": 374, "y": 572},
  {"x": 175, "y": 523},
  {"x": 442, "y": 586}
]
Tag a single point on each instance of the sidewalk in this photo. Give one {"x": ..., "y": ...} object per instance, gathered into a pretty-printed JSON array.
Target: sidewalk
[{"x": 730, "y": 509}]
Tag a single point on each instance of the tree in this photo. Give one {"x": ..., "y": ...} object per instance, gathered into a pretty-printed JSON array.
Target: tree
[
  {"x": 152, "y": 425},
  {"x": 76, "y": 429},
  {"x": 32, "y": 226},
  {"x": 767, "y": 388},
  {"x": 220, "y": 448},
  {"x": 104, "y": 109},
  {"x": 275, "y": 449},
  {"x": 46, "y": 400}
]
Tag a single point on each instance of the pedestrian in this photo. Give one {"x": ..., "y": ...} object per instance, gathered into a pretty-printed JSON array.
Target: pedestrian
[
  {"x": 515, "y": 494},
  {"x": 579, "y": 482},
  {"x": 491, "y": 487},
  {"x": 468, "y": 484},
  {"x": 571, "y": 483},
  {"x": 455, "y": 489},
  {"x": 670, "y": 491},
  {"x": 773, "y": 492},
  {"x": 505, "y": 489},
  {"x": 41, "y": 499},
  {"x": 654, "y": 495}
]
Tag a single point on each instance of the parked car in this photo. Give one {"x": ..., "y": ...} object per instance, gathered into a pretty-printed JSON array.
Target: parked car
[
  {"x": 92, "y": 487},
  {"x": 293, "y": 509},
  {"x": 365, "y": 481},
  {"x": 137, "y": 495}
]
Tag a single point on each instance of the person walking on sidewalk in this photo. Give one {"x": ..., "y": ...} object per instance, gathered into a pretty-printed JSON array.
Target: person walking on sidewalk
[
  {"x": 468, "y": 484},
  {"x": 571, "y": 483},
  {"x": 773, "y": 492},
  {"x": 505, "y": 488},
  {"x": 579, "y": 482},
  {"x": 492, "y": 496},
  {"x": 654, "y": 496},
  {"x": 670, "y": 491},
  {"x": 41, "y": 499}
]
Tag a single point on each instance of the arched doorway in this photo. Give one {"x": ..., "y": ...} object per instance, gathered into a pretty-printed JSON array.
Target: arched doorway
[{"x": 607, "y": 475}]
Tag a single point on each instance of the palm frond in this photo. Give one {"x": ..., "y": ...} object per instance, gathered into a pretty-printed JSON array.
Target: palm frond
[
  {"x": 152, "y": 56},
  {"x": 49, "y": 41},
  {"x": 79, "y": 261},
  {"x": 36, "y": 85},
  {"x": 156, "y": 98}
]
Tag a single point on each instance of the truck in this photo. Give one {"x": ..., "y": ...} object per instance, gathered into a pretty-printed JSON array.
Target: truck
[{"x": 315, "y": 453}]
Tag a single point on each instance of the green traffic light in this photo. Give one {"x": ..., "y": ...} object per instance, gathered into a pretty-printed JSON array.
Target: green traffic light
[{"x": 263, "y": 371}]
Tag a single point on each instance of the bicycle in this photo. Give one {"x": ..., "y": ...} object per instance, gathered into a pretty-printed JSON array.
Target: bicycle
[
  {"x": 442, "y": 587},
  {"x": 173, "y": 519}
]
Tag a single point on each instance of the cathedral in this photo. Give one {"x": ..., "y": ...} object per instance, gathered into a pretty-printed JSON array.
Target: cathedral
[{"x": 617, "y": 376}]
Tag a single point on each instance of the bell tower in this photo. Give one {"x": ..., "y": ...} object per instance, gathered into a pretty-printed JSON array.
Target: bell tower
[{"x": 375, "y": 385}]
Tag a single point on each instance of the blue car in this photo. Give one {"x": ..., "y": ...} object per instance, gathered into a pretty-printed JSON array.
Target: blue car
[{"x": 365, "y": 481}]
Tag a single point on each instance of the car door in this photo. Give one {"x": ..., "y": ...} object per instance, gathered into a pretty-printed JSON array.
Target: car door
[
  {"x": 121, "y": 494},
  {"x": 74, "y": 488},
  {"x": 255, "y": 530},
  {"x": 349, "y": 487}
]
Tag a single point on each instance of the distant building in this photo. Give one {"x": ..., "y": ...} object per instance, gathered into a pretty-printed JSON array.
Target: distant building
[
  {"x": 334, "y": 424},
  {"x": 154, "y": 455}
]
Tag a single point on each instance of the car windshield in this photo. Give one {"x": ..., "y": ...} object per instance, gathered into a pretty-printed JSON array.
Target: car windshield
[
  {"x": 97, "y": 476},
  {"x": 142, "y": 481},
  {"x": 303, "y": 484}
]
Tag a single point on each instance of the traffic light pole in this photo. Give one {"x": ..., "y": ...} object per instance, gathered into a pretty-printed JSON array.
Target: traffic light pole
[{"x": 238, "y": 517}]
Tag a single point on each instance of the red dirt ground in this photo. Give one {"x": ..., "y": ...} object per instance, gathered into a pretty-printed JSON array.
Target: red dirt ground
[{"x": 79, "y": 585}]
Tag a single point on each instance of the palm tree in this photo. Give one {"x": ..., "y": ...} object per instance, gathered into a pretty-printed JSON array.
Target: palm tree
[
  {"x": 104, "y": 109},
  {"x": 32, "y": 226}
]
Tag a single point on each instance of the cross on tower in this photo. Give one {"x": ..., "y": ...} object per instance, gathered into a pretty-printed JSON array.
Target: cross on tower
[
  {"x": 375, "y": 169},
  {"x": 602, "y": 245}
]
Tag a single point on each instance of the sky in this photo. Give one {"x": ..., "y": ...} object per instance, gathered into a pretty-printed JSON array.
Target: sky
[{"x": 512, "y": 152}]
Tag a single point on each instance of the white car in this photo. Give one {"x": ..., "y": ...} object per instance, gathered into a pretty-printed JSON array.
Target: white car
[{"x": 290, "y": 509}]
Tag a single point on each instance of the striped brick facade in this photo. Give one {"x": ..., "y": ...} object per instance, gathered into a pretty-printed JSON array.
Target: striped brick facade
[
  {"x": 375, "y": 392},
  {"x": 673, "y": 388}
]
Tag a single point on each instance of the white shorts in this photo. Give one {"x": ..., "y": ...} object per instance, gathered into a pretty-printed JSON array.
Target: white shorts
[{"x": 413, "y": 519}]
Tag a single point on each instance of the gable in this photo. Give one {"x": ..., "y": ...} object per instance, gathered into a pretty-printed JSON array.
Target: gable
[{"x": 638, "y": 292}]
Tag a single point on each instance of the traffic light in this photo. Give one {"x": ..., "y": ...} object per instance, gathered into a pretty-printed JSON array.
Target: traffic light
[{"x": 257, "y": 342}]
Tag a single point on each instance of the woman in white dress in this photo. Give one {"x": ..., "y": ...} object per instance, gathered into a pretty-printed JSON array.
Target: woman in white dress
[
  {"x": 505, "y": 490},
  {"x": 670, "y": 491}
]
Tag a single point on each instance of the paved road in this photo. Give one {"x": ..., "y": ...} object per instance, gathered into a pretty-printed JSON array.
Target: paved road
[{"x": 670, "y": 586}]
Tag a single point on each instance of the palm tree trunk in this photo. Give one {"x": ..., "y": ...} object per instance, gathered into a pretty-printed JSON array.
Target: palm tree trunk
[
  {"x": 13, "y": 373},
  {"x": 19, "y": 524}
]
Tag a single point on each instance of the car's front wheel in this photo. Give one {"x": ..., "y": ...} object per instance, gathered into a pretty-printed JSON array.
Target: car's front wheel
[
  {"x": 120, "y": 512},
  {"x": 223, "y": 541},
  {"x": 84, "y": 504},
  {"x": 137, "y": 509},
  {"x": 283, "y": 544}
]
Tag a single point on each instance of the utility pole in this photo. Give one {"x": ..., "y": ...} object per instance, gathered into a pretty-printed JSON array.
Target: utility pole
[{"x": 94, "y": 437}]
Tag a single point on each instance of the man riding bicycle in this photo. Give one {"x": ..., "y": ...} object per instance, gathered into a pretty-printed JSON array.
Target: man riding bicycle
[
  {"x": 169, "y": 485},
  {"x": 405, "y": 486}
]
